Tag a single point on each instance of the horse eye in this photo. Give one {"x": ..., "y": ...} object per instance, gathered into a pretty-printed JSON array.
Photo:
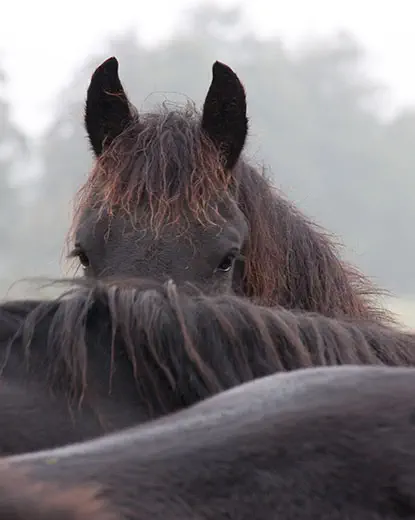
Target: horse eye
[
  {"x": 226, "y": 263},
  {"x": 83, "y": 259}
]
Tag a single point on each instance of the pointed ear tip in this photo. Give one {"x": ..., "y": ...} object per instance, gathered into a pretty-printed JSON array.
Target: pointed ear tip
[
  {"x": 222, "y": 70},
  {"x": 112, "y": 60},
  {"x": 109, "y": 65},
  {"x": 219, "y": 66}
]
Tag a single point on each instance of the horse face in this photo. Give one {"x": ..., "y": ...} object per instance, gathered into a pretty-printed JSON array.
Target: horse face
[
  {"x": 179, "y": 162},
  {"x": 209, "y": 257}
]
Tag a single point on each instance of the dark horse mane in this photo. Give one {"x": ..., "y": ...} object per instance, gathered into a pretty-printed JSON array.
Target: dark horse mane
[
  {"x": 184, "y": 346},
  {"x": 165, "y": 160},
  {"x": 143, "y": 166}
]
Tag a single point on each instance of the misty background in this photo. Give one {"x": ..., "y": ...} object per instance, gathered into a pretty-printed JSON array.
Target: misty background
[{"x": 334, "y": 130}]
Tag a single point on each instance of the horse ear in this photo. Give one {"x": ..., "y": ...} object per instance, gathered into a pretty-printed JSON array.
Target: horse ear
[
  {"x": 107, "y": 109},
  {"x": 224, "y": 113}
]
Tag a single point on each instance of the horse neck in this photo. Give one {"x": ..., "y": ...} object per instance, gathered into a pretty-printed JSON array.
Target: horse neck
[
  {"x": 313, "y": 276},
  {"x": 303, "y": 264}
]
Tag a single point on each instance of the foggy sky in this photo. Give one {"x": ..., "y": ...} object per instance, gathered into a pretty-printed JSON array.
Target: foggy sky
[{"x": 42, "y": 42}]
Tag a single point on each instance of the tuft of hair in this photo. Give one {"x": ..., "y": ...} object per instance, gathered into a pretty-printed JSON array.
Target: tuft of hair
[
  {"x": 184, "y": 346},
  {"x": 25, "y": 498},
  {"x": 162, "y": 159}
]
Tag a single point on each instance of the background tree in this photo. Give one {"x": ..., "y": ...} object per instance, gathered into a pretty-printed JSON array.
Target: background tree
[{"x": 13, "y": 153}]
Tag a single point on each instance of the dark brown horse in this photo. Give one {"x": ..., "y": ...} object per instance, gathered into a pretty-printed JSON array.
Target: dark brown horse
[
  {"x": 314, "y": 444},
  {"x": 105, "y": 356},
  {"x": 170, "y": 196}
]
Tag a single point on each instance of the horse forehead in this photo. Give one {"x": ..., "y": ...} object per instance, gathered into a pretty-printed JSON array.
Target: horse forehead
[{"x": 185, "y": 233}]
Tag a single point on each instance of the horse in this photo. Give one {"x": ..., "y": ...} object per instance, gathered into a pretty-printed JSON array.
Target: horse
[
  {"x": 171, "y": 195},
  {"x": 104, "y": 356},
  {"x": 318, "y": 443}
]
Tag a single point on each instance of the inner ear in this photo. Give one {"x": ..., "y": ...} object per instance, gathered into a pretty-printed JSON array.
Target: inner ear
[
  {"x": 224, "y": 117},
  {"x": 107, "y": 108}
]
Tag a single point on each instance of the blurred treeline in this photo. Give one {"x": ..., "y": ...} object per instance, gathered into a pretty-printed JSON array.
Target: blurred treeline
[{"x": 314, "y": 125}]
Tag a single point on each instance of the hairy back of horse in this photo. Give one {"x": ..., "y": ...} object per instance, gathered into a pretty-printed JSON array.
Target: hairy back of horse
[
  {"x": 106, "y": 356},
  {"x": 55, "y": 386}
]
